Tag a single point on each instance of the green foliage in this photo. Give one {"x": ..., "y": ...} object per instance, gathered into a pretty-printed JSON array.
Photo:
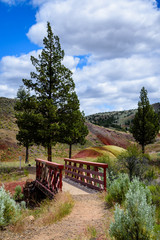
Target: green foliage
[
  {"x": 26, "y": 119},
  {"x": 136, "y": 220},
  {"x": 150, "y": 175},
  {"x": 145, "y": 123},
  {"x": 117, "y": 189},
  {"x": 23, "y": 205},
  {"x": 72, "y": 123},
  {"x": 92, "y": 231},
  {"x": 104, "y": 159},
  {"x": 55, "y": 93},
  {"x": 55, "y": 210},
  {"x": 9, "y": 210},
  {"x": 26, "y": 172},
  {"x": 119, "y": 120},
  {"x": 133, "y": 161},
  {"x": 109, "y": 200},
  {"x": 155, "y": 190},
  {"x": 157, "y": 231},
  {"x": 18, "y": 193},
  {"x": 7, "y": 121},
  {"x": 112, "y": 169}
]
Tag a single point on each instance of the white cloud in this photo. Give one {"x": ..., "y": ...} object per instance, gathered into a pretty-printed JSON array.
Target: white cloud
[
  {"x": 13, "y": 70},
  {"x": 117, "y": 82},
  {"x": 106, "y": 29},
  {"x": 120, "y": 39},
  {"x": 6, "y": 90},
  {"x": 71, "y": 62}
]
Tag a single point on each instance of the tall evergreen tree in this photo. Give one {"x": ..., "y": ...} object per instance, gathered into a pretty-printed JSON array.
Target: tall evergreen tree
[
  {"x": 52, "y": 83},
  {"x": 73, "y": 128},
  {"x": 26, "y": 119},
  {"x": 145, "y": 123}
]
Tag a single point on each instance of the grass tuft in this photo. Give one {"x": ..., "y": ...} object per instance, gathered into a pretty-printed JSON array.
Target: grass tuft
[{"x": 49, "y": 212}]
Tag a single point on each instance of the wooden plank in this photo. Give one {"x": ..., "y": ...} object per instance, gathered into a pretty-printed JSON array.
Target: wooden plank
[
  {"x": 84, "y": 170},
  {"x": 45, "y": 190},
  {"x": 52, "y": 164},
  {"x": 84, "y": 177},
  {"x": 49, "y": 175},
  {"x": 85, "y": 184},
  {"x": 102, "y": 165}
]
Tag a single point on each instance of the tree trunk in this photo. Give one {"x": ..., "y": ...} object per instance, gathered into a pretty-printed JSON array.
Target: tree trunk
[
  {"x": 143, "y": 148},
  {"x": 50, "y": 153},
  {"x": 26, "y": 160},
  {"x": 70, "y": 150}
]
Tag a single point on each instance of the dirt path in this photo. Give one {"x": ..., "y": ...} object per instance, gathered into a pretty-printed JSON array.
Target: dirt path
[{"x": 89, "y": 211}]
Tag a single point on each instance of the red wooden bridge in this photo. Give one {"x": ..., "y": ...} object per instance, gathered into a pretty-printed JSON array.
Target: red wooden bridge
[{"x": 49, "y": 175}]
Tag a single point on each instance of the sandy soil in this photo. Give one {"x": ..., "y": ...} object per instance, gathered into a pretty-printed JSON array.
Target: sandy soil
[{"x": 89, "y": 210}]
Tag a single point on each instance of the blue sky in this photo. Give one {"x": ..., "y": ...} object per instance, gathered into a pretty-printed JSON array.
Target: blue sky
[
  {"x": 112, "y": 48},
  {"x": 14, "y": 25}
]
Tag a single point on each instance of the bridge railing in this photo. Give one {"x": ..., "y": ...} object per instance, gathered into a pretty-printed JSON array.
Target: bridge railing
[
  {"x": 90, "y": 174},
  {"x": 48, "y": 177}
]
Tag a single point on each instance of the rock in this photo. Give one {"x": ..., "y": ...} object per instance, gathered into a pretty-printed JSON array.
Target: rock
[{"x": 29, "y": 219}]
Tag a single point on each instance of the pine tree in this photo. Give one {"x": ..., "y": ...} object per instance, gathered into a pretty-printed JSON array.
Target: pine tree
[
  {"x": 52, "y": 83},
  {"x": 26, "y": 119},
  {"x": 145, "y": 123},
  {"x": 73, "y": 128}
]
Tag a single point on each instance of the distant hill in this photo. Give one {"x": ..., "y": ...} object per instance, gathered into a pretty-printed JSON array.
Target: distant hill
[
  {"x": 97, "y": 137},
  {"x": 119, "y": 120},
  {"x": 109, "y": 136},
  {"x": 9, "y": 148}
]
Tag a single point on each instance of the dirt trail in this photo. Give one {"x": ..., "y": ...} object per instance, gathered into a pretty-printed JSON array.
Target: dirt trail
[{"x": 88, "y": 211}]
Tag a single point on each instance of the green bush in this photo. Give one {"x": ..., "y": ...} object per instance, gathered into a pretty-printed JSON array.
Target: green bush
[
  {"x": 18, "y": 193},
  {"x": 155, "y": 190},
  {"x": 112, "y": 169},
  {"x": 9, "y": 210},
  {"x": 133, "y": 162},
  {"x": 118, "y": 188},
  {"x": 157, "y": 232},
  {"x": 150, "y": 175},
  {"x": 136, "y": 221},
  {"x": 104, "y": 159}
]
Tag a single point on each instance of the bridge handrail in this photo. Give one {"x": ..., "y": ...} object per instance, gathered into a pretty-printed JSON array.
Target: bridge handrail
[
  {"x": 48, "y": 176},
  {"x": 53, "y": 164},
  {"x": 87, "y": 173}
]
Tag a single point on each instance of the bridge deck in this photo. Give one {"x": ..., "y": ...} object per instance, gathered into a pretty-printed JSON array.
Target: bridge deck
[{"x": 75, "y": 188}]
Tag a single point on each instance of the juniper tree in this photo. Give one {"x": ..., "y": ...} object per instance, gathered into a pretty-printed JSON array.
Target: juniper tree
[
  {"x": 26, "y": 119},
  {"x": 52, "y": 83},
  {"x": 145, "y": 123},
  {"x": 73, "y": 128}
]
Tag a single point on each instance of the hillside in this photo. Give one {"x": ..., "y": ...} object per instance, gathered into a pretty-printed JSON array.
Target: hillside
[
  {"x": 119, "y": 120},
  {"x": 98, "y": 136},
  {"x": 10, "y": 150},
  {"x": 7, "y": 119}
]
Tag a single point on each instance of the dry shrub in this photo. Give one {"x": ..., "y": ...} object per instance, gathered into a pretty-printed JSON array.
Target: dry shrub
[
  {"x": 48, "y": 212},
  {"x": 57, "y": 209}
]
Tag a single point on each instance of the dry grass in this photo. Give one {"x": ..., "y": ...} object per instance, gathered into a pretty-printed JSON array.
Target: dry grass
[
  {"x": 115, "y": 150},
  {"x": 110, "y": 150},
  {"x": 47, "y": 213},
  {"x": 56, "y": 210}
]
